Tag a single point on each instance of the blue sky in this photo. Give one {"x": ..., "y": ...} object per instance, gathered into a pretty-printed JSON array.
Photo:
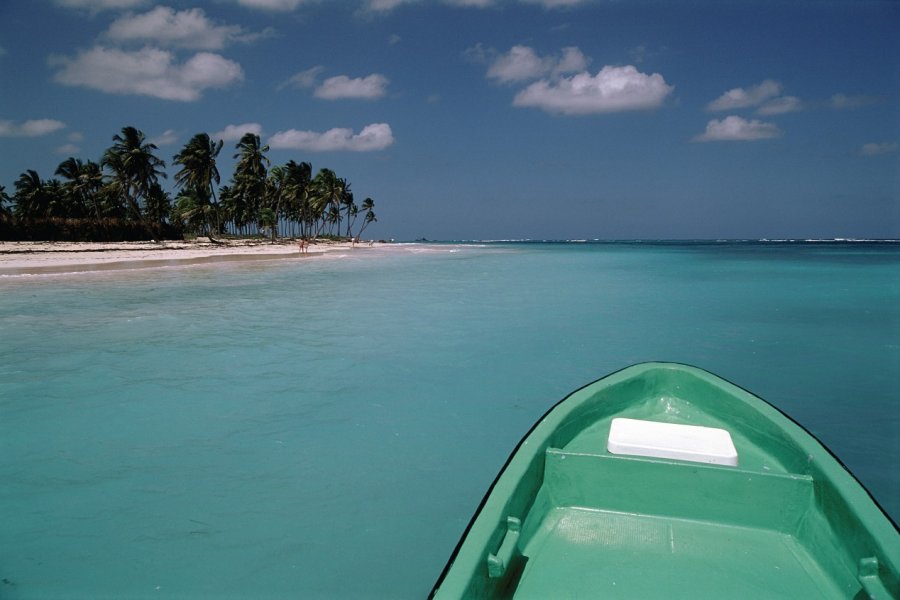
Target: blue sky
[{"x": 492, "y": 119}]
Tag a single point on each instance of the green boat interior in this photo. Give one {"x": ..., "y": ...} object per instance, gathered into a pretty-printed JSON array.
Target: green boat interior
[{"x": 568, "y": 518}]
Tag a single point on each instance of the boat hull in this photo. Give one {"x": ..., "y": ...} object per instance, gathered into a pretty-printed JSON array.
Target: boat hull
[{"x": 568, "y": 518}]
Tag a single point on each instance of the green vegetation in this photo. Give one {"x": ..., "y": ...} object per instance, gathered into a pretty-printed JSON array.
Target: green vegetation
[{"x": 121, "y": 198}]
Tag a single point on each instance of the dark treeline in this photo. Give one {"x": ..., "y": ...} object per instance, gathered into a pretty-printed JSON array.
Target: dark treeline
[{"x": 120, "y": 198}]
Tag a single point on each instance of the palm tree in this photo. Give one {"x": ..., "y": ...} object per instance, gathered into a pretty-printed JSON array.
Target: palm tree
[
  {"x": 157, "y": 204},
  {"x": 252, "y": 155},
  {"x": 70, "y": 169},
  {"x": 368, "y": 205},
  {"x": 268, "y": 219},
  {"x": 58, "y": 201},
  {"x": 125, "y": 186},
  {"x": 249, "y": 179},
  {"x": 114, "y": 195},
  {"x": 5, "y": 211},
  {"x": 134, "y": 166},
  {"x": 275, "y": 196},
  {"x": 296, "y": 195},
  {"x": 330, "y": 191},
  {"x": 90, "y": 182},
  {"x": 227, "y": 207},
  {"x": 193, "y": 214},
  {"x": 199, "y": 172},
  {"x": 31, "y": 197},
  {"x": 83, "y": 184},
  {"x": 352, "y": 209}
]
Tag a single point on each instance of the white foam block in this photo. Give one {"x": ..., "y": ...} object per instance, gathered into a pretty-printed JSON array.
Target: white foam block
[{"x": 670, "y": 440}]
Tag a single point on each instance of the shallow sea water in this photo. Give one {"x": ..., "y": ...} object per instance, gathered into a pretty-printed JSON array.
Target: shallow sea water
[{"x": 325, "y": 428}]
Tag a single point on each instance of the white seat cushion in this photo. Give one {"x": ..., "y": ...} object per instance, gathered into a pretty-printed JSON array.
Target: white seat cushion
[{"x": 670, "y": 440}]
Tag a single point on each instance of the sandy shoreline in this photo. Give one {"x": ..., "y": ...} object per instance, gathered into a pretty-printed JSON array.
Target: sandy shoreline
[{"x": 34, "y": 258}]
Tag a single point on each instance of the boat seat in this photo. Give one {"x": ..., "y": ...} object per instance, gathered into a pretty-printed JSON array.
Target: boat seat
[
  {"x": 676, "y": 489},
  {"x": 693, "y": 443}
]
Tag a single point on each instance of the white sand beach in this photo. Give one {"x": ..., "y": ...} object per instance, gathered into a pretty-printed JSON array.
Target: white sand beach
[{"x": 25, "y": 258}]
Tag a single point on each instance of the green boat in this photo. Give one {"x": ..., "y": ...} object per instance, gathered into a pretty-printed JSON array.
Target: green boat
[{"x": 665, "y": 481}]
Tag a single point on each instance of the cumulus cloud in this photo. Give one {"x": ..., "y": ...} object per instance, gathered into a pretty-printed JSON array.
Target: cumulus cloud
[
  {"x": 845, "y": 102},
  {"x": 522, "y": 63},
  {"x": 343, "y": 87},
  {"x": 745, "y": 98},
  {"x": 385, "y": 5},
  {"x": 233, "y": 133},
  {"x": 572, "y": 61},
  {"x": 737, "y": 129},
  {"x": 555, "y": 3},
  {"x": 478, "y": 53},
  {"x": 613, "y": 89},
  {"x": 640, "y": 53},
  {"x": 98, "y": 5},
  {"x": 182, "y": 29},
  {"x": 303, "y": 79},
  {"x": 780, "y": 106},
  {"x": 879, "y": 148},
  {"x": 472, "y": 3},
  {"x": 147, "y": 72},
  {"x": 67, "y": 149},
  {"x": 31, "y": 128},
  {"x": 166, "y": 138},
  {"x": 377, "y": 136},
  {"x": 272, "y": 5}
]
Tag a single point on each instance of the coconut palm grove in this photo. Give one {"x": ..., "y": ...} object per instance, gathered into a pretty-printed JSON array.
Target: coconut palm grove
[{"x": 120, "y": 198}]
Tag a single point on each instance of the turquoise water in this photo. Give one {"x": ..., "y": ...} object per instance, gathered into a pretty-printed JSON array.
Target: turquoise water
[{"x": 325, "y": 428}]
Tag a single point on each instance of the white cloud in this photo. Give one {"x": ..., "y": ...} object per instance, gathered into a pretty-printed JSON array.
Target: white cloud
[
  {"x": 522, "y": 63},
  {"x": 572, "y": 61},
  {"x": 67, "y": 149},
  {"x": 147, "y": 72},
  {"x": 385, "y": 5},
  {"x": 879, "y": 148},
  {"x": 98, "y": 5},
  {"x": 555, "y": 3},
  {"x": 377, "y": 136},
  {"x": 342, "y": 87},
  {"x": 182, "y": 29},
  {"x": 166, "y": 138},
  {"x": 845, "y": 102},
  {"x": 780, "y": 106},
  {"x": 3, "y": 51},
  {"x": 737, "y": 129},
  {"x": 75, "y": 136},
  {"x": 519, "y": 64},
  {"x": 744, "y": 98},
  {"x": 639, "y": 53},
  {"x": 303, "y": 79},
  {"x": 472, "y": 3},
  {"x": 31, "y": 128},
  {"x": 613, "y": 89},
  {"x": 233, "y": 133},
  {"x": 478, "y": 53},
  {"x": 394, "y": 39},
  {"x": 272, "y": 5}
]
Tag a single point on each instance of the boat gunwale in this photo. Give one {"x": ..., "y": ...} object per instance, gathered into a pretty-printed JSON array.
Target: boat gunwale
[{"x": 647, "y": 366}]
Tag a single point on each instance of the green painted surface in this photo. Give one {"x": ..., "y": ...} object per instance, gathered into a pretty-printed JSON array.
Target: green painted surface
[{"x": 567, "y": 519}]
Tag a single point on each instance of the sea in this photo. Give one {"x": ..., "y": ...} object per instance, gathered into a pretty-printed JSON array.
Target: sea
[{"x": 325, "y": 427}]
